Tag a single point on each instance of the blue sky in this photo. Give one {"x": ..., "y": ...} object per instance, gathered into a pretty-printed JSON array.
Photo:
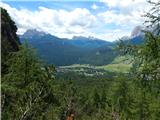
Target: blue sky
[
  {"x": 104, "y": 19},
  {"x": 71, "y": 5}
]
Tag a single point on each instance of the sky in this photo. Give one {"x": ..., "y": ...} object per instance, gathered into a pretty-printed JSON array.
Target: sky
[{"x": 104, "y": 19}]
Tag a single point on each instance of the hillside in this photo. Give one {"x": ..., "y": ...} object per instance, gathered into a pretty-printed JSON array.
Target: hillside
[
  {"x": 61, "y": 51},
  {"x": 83, "y": 78},
  {"x": 89, "y": 43},
  {"x": 78, "y": 50},
  {"x": 121, "y": 64},
  {"x": 9, "y": 39}
]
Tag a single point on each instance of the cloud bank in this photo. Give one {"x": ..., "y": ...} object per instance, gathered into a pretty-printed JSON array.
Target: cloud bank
[{"x": 81, "y": 21}]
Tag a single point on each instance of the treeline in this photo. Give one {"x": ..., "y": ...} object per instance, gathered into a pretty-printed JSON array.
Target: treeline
[{"x": 30, "y": 90}]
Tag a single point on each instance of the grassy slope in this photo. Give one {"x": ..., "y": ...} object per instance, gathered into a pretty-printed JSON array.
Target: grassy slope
[{"x": 120, "y": 64}]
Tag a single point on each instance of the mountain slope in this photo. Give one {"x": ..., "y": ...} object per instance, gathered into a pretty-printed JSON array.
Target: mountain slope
[
  {"x": 9, "y": 39},
  {"x": 51, "y": 49},
  {"x": 90, "y": 42},
  {"x": 54, "y": 50},
  {"x": 78, "y": 50}
]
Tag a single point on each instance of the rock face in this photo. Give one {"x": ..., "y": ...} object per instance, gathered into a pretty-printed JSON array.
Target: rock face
[
  {"x": 9, "y": 38},
  {"x": 136, "y": 31},
  {"x": 33, "y": 32}
]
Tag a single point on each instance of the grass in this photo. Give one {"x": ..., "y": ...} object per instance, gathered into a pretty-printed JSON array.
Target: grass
[
  {"x": 119, "y": 68},
  {"x": 120, "y": 64},
  {"x": 122, "y": 59},
  {"x": 76, "y": 66}
]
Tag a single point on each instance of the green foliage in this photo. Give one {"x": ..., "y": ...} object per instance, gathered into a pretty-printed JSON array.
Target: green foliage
[
  {"x": 9, "y": 39},
  {"x": 152, "y": 17},
  {"x": 146, "y": 66},
  {"x": 62, "y": 52},
  {"x": 26, "y": 89},
  {"x": 32, "y": 91}
]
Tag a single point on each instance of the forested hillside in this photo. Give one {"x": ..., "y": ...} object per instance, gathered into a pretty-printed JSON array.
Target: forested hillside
[
  {"x": 32, "y": 90},
  {"x": 78, "y": 50},
  {"x": 62, "y": 51}
]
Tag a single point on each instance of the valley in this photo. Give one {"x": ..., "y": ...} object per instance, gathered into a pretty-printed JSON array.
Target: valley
[
  {"x": 80, "y": 60},
  {"x": 119, "y": 65},
  {"x": 78, "y": 50}
]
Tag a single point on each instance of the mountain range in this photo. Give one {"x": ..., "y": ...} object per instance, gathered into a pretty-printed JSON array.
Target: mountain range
[{"x": 78, "y": 50}]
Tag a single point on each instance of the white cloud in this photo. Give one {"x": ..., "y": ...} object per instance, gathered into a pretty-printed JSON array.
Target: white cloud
[
  {"x": 133, "y": 19},
  {"x": 112, "y": 35},
  {"x": 94, "y": 6},
  {"x": 125, "y": 12},
  {"x": 81, "y": 21},
  {"x": 128, "y": 7},
  {"x": 52, "y": 21},
  {"x": 122, "y": 3}
]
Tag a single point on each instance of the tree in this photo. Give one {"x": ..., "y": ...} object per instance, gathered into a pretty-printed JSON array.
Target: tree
[
  {"x": 146, "y": 58},
  {"x": 153, "y": 17},
  {"x": 103, "y": 99},
  {"x": 96, "y": 99},
  {"x": 9, "y": 39},
  {"x": 123, "y": 98},
  {"x": 27, "y": 87}
]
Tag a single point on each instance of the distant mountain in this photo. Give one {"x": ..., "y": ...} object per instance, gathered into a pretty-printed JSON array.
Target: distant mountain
[
  {"x": 51, "y": 49},
  {"x": 137, "y": 31},
  {"x": 100, "y": 56},
  {"x": 137, "y": 40},
  {"x": 89, "y": 42},
  {"x": 136, "y": 37},
  {"x": 61, "y": 51},
  {"x": 33, "y": 33},
  {"x": 78, "y": 50},
  {"x": 79, "y": 41}
]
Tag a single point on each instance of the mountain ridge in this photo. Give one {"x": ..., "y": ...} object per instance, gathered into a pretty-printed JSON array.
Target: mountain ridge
[{"x": 78, "y": 50}]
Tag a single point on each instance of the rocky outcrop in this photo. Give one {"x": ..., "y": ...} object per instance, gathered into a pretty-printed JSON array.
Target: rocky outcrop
[{"x": 9, "y": 38}]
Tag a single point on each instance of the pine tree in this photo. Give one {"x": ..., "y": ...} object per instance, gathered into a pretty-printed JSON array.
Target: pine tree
[
  {"x": 146, "y": 63},
  {"x": 103, "y": 99},
  {"x": 96, "y": 99},
  {"x": 124, "y": 103},
  {"x": 26, "y": 88}
]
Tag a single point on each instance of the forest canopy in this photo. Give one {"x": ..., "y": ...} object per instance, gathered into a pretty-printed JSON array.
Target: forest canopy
[{"x": 32, "y": 90}]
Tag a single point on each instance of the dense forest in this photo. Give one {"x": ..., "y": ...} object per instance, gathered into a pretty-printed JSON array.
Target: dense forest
[{"x": 32, "y": 90}]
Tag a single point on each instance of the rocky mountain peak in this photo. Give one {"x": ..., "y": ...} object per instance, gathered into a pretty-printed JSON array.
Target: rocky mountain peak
[
  {"x": 136, "y": 31},
  {"x": 33, "y": 32}
]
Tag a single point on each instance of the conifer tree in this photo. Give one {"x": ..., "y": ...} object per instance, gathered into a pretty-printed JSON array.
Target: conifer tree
[
  {"x": 26, "y": 88},
  {"x": 146, "y": 63}
]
